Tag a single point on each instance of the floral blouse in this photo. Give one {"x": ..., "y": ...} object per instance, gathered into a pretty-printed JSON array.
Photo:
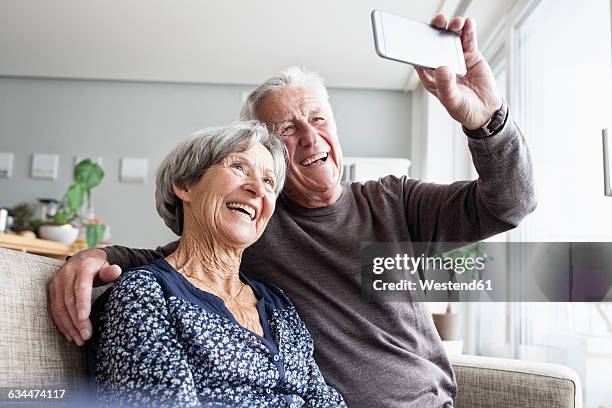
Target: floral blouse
[{"x": 160, "y": 341}]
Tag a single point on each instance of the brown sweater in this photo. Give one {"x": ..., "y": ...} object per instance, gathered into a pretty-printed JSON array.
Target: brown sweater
[{"x": 381, "y": 354}]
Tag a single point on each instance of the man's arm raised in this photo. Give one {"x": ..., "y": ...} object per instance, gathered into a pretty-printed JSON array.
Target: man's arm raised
[
  {"x": 468, "y": 211},
  {"x": 70, "y": 289}
]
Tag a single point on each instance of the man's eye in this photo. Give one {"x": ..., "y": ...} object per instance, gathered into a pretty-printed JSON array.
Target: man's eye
[{"x": 287, "y": 130}]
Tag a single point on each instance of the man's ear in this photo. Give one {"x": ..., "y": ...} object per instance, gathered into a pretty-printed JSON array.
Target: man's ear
[{"x": 181, "y": 193}]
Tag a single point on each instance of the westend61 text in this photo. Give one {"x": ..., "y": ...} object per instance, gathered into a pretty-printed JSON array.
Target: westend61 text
[{"x": 430, "y": 285}]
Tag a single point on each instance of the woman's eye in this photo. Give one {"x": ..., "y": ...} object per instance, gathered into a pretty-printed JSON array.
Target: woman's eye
[
  {"x": 318, "y": 119},
  {"x": 269, "y": 181},
  {"x": 238, "y": 166}
]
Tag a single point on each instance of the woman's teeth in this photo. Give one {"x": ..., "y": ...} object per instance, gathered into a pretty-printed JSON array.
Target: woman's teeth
[{"x": 243, "y": 208}]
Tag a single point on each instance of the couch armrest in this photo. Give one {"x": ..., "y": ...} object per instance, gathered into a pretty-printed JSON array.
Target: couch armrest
[{"x": 485, "y": 382}]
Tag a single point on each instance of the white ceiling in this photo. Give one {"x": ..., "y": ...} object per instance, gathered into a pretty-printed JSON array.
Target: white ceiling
[{"x": 229, "y": 42}]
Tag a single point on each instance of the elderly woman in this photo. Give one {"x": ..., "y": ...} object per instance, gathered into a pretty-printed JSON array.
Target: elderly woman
[{"x": 191, "y": 329}]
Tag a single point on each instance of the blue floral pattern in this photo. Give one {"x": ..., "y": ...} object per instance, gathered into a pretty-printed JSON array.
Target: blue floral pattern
[{"x": 156, "y": 347}]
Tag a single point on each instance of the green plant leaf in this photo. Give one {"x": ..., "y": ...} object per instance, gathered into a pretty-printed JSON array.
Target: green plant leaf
[
  {"x": 88, "y": 174},
  {"x": 61, "y": 217},
  {"x": 94, "y": 234},
  {"x": 74, "y": 197}
]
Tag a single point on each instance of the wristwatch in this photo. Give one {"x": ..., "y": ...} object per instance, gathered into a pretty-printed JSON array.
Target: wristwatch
[{"x": 494, "y": 125}]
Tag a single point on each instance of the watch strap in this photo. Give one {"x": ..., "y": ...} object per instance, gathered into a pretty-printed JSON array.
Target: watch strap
[{"x": 493, "y": 126}]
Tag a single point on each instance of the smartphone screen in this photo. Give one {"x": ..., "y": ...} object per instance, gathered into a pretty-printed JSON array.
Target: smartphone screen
[{"x": 416, "y": 43}]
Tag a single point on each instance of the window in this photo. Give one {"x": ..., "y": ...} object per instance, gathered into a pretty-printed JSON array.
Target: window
[
  {"x": 565, "y": 96},
  {"x": 554, "y": 68},
  {"x": 559, "y": 80}
]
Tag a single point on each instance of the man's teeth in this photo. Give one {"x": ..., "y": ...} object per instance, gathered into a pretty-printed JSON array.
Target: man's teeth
[
  {"x": 247, "y": 209},
  {"x": 314, "y": 158}
]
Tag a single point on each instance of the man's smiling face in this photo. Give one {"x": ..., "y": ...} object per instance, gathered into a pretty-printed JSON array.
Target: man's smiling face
[{"x": 303, "y": 119}]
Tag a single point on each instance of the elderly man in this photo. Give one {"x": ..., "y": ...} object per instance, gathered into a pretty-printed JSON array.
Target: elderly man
[{"x": 376, "y": 354}]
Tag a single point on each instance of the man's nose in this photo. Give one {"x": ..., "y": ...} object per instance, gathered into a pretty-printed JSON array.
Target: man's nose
[{"x": 310, "y": 136}]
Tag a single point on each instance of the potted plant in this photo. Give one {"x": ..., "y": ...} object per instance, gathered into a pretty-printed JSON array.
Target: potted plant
[
  {"x": 23, "y": 216},
  {"x": 67, "y": 220},
  {"x": 24, "y": 223},
  {"x": 448, "y": 324}
]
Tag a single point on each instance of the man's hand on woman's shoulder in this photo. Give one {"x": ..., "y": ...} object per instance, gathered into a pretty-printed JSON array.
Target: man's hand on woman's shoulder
[{"x": 70, "y": 292}]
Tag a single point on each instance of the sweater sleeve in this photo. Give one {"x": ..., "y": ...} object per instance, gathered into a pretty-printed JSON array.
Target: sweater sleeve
[
  {"x": 139, "y": 359},
  {"x": 469, "y": 211},
  {"x": 128, "y": 258}
]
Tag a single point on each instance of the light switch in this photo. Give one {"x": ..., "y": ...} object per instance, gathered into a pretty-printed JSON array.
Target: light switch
[
  {"x": 44, "y": 166},
  {"x": 134, "y": 170},
  {"x": 6, "y": 165}
]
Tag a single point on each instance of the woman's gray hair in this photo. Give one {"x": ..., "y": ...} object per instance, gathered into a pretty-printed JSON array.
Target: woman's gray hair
[
  {"x": 189, "y": 160},
  {"x": 292, "y": 76}
]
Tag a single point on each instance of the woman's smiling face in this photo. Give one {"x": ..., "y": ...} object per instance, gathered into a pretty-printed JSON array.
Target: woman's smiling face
[{"x": 234, "y": 200}]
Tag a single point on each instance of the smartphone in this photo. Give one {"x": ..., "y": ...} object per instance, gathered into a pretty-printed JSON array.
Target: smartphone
[{"x": 414, "y": 42}]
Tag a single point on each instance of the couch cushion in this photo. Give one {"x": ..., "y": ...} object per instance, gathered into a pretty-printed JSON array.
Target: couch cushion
[{"x": 33, "y": 352}]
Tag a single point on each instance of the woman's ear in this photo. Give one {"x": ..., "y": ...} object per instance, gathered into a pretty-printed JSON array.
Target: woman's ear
[{"x": 181, "y": 193}]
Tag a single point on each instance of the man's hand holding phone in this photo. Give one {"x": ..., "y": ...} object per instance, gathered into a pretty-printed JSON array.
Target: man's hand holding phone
[{"x": 473, "y": 98}]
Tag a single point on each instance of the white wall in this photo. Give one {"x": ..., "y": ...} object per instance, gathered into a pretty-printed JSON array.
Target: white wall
[
  {"x": 439, "y": 147},
  {"x": 137, "y": 119}
]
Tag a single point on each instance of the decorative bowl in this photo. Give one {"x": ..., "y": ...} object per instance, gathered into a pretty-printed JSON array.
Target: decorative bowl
[{"x": 66, "y": 234}]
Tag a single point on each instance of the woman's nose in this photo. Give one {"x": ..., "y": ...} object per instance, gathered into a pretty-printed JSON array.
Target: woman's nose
[{"x": 255, "y": 187}]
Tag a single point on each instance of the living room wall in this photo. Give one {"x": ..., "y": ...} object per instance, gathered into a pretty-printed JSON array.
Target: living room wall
[{"x": 113, "y": 119}]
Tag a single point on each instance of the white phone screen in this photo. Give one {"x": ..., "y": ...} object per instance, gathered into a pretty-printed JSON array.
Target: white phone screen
[{"x": 416, "y": 43}]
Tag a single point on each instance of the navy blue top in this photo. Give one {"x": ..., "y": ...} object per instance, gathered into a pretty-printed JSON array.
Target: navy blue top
[{"x": 160, "y": 341}]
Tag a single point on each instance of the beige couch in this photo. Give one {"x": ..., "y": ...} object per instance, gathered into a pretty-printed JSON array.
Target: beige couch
[{"x": 34, "y": 354}]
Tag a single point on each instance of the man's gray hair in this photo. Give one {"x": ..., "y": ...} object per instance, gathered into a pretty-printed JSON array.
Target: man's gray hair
[
  {"x": 188, "y": 161},
  {"x": 292, "y": 76}
]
